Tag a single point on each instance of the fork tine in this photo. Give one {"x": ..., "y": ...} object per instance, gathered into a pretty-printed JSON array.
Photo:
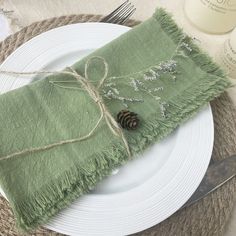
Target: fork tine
[
  {"x": 125, "y": 13},
  {"x": 127, "y": 16},
  {"x": 117, "y": 15},
  {"x": 105, "y": 19}
]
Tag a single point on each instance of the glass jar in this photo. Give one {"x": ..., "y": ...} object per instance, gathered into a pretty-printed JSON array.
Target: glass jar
[
  {"x": 212, "y": 16},
  {"x": 227, "y": 55}
]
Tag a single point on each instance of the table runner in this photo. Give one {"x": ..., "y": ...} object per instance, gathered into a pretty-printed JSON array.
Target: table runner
[{"x": 75, "y": 20}]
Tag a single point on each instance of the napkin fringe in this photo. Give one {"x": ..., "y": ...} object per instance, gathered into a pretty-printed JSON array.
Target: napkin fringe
[
  {"x": 180, "y": 109},
  {"x": 77, "y": 181},
  {"x": 204, "y": 61},
  {"x": 72, "y": 184}
]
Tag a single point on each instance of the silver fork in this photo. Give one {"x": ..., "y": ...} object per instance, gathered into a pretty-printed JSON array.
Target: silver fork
[{"x": 121, "y": 14}]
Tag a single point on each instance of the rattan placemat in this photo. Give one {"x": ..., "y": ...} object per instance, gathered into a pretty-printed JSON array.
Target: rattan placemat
[{"x": 206, "y": 217}]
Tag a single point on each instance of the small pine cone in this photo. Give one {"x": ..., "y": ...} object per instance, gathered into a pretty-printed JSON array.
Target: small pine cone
[{"x": 127, "y": 119}]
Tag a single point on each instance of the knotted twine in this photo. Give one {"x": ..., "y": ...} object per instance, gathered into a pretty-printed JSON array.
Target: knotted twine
[{"x": 93, "y": 92}]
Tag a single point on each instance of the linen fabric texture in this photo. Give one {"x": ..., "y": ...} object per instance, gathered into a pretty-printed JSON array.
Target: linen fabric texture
[{"x": 38, "y": 185}]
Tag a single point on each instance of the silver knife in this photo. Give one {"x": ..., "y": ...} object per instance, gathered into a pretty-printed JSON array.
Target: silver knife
[{"x": 217, "y": 174}]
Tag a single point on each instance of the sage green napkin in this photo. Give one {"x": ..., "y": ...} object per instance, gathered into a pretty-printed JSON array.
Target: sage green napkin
[{"x": 154, "y": 69}]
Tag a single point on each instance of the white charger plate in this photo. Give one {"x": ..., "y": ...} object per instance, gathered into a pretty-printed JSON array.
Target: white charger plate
[{"x": 145, "y": 191}]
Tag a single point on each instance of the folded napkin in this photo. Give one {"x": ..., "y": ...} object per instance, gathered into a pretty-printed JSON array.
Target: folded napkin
[{"x": 154, "y": 70}]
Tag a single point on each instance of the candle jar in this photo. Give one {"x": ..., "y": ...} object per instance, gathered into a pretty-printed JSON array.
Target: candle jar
[
  {"x": 212, "y": 16},
  {"x": 227, "y": 55}
]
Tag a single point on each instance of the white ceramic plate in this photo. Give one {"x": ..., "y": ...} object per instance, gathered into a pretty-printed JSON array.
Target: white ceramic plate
[{"x": 145, "y": 191}]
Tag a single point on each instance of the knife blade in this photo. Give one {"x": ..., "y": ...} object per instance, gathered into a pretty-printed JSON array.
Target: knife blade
[{"x": 217, "y": 174}]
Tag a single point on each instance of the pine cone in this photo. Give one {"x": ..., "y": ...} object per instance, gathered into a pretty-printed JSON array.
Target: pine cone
[{"x": 127, "y": 119}]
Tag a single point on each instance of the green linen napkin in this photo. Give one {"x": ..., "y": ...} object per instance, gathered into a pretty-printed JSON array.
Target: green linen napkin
[{"x": 154, "y": 62}]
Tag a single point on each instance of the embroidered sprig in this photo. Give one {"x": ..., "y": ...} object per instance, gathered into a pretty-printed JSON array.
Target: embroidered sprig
[{"x": 147, "y": 81}]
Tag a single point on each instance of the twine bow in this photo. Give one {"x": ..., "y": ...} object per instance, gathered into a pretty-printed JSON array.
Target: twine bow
[{"x": 93, "y": 92}]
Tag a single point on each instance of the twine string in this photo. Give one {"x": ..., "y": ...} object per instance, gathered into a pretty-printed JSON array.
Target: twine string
[{"x": 93, "y": 92}]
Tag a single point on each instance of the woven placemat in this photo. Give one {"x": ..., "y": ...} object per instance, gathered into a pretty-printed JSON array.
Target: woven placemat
[{"x": 206, "y": 217}]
